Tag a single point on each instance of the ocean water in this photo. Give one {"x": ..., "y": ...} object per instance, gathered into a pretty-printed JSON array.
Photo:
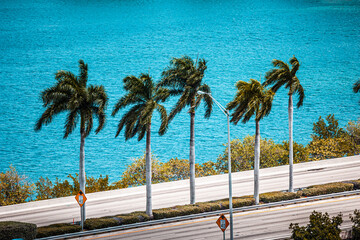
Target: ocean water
[{"x": 239, "y": 39}]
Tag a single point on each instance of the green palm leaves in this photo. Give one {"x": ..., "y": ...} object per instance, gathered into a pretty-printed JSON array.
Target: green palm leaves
[
  {"x": 356, "y": 86},
  {"x": 282, "y": 75},
  {"x": 251, "y": 99},
  {"x": 71, "y": 94},
  {"x": 144, "y": 98},
  {"x": 184, "y": 77}
]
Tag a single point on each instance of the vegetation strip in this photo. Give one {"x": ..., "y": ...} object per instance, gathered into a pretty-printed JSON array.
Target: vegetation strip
[{"x": 201, "y": 215}]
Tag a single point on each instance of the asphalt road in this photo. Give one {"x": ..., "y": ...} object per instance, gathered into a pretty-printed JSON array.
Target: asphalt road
[
  {"x": 64, "y": 210},
  {"x": 263, "y": 224}
]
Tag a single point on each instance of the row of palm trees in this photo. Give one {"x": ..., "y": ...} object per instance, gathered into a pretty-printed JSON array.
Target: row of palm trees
[
  {"x": 253, "y": 99},
  {"x": 183, "y": 78}
]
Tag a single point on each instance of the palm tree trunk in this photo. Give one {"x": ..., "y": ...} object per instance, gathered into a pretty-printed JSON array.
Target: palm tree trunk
[
  {"x": 192, "y": 156},
  {"x": 257, "y": 163},
  {"x": 148, "y": 171},
  {"x": 291, "y": 150},
  {"x": 82, "y": 179}
]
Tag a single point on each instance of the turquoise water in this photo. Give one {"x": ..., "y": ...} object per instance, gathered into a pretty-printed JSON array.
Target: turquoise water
[{"x": 117, "y": 38}]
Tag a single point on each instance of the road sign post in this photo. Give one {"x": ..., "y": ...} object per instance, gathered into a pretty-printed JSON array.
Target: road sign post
[
  {"x": 81, "y": 199},
  {"x": 223, "y": 223}
]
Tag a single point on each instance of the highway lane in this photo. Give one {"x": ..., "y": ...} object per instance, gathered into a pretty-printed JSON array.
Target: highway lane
[
  {"x": 174, "y": 193},
  {"x": 262, "y": 224}
]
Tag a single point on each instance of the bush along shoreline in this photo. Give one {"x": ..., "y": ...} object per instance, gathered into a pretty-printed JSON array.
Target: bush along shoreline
[
  {"x": 183, "y": 210},
  {"x": 328, "y": 141}
]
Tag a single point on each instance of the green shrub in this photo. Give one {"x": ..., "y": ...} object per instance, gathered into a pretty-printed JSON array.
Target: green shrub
[
  {"x": 320, "y": 227},
  {"x": 243, "y": 201},
  {"x": 181, "y": 210},
  {"x": 10, "y": 230},
  {"x": 353, "y": 128},
  {"x": 57, "y": 229},
  {"x": 46, "y": 189},
  {"x": 208, "y": 206},
  {"x": 356, "y": 226},
  {"x": 331, "y": 129},
  {"x": 14, "y": 188},
  {"x": 172, "y": 170},
  {"x": 277, "y": 196},
  {"x": 224, "y": 203},
  {"x": 165, "y": 213},
  {"x": 96, "y": 223},
  {"x": 327, "y": 189},
  {"x": 142, "y": 216},
  {"x": 356, "y": 183},
  {"x": 188, "y": 209},
  {"x": 331, "y": 141},
  {"x": 242, "y": 155},
  {"x": 127, "y": 218},
  {"x": 301, "y": 153}
]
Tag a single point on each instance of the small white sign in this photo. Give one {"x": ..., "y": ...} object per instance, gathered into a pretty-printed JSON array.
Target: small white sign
[{"x": 222, "y": 224}]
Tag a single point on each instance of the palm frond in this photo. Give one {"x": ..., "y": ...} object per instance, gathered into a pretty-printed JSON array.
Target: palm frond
[
  {"x": 146, "y": 113},
  {"x": 55, "y": 94},
  {"x": 130, "y": 116},
  {"x": 179, "y": 106},
  {"x": 356, "y": 86},
  {"x": 99, "y": 113},
  {"x": 280, "y": 64},
  {"x": 141, "y": 132},
  {"x": 71, "y": 94},
  {"x": 184, "y": 78},
  {"x": 295, "y": 65},
  {"x": 134, "y": 84},
  {"x": 161, "y": 94},
  {"x": 208, "y": 100},
  {"x": 129, "y": 99},
  {"x": 251, "y": 99},
  {"x": 145, "y": 96},
  {"x": 164, "y": 119},
  {"x": 266, "y": 104},
  {"x": 48, "y": 115},
  {"x": 71, "y": 121},
  {"x": 299, "y": 90},
  {"x": 66, "y": 78},
  {"x": 83, "y": 74},
  {"x": 283, "y": 76},
  {"x": 148, "y": 84}
]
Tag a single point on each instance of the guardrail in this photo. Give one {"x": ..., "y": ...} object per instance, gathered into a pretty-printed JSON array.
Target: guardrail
[{"x": 201, "y": 215}]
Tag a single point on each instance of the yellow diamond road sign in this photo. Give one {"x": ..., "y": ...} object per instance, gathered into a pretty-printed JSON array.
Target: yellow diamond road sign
[
  {"x": 80, "y": 198},
  {"x": 222, "y": 222}
]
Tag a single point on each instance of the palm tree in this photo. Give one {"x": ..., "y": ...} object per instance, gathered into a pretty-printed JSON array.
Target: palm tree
[
  {"x": 252, "y": 99},
  {"x": 356, "y": 86},
  {"x": 184, "y": 78},
  {"x": 280, "y": 76},
  {"x": 71, "y": 94},
  {"x": 143, "y": 97}
]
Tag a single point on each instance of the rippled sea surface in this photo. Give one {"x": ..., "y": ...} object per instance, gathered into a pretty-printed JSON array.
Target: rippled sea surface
[{"x": 239, "y": 39}]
